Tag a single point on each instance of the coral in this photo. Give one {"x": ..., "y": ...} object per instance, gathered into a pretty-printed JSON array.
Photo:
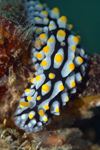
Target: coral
[{"x": 15, "y": 40}]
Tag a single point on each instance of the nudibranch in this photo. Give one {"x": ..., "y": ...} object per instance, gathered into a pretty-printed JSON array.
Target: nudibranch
[{"x": 60, "y": 65}]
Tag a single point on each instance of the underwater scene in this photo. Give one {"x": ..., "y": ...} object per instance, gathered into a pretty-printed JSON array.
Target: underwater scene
[
  {"x": 49, "y": 75},
  {"x": 85, "y": 17}
]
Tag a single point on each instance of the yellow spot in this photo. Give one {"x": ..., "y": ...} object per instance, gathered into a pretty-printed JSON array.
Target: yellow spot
[
  {"x": 32, "y": 80},
  {"x": 43, "y": 63},
  {"x": 39, "y": 55},
  {"x": 61, "y": 87},
  {"x": 80, "y": 78},
  {"x": 38, "y": 98},
  {"x": 71, "y": 66},
  {"x": 42, "y": 36},
  {"x": 27, "y": 90},
  {"x": 24, "y": 104},
  {"x": 46, "y": 107},
  {"x": 67, "y": 99},
  {"x": 37, "y": 18},
  {"x": 73, "y": 48},
  {"x": 61, "y": 33},
  {"x": 58, "y": 58},
  {"x": 34, "y": 54},
  {"x": 63, "y": 18},
  {"x": 29, "y": 98},
  {"x": 40, "y": 5},
  {"x": 51, "y": 40},
  {"x": 51, "y": 75},
  {"x": 45, "y": 12},
  {"x": 56, "y": 10},
  {"x": 57, "y": 110},
  {"x": 31, "y": 116},
  {"x": 51, "y": 25},
  {"x": 41, "y": 112},
  {"x": 80, "y": 59},
  {"x": 46, "y": 49},
  {"x": 71, "y": 26},
  {"x": 46, "y": 19},
  {"x": 46, "y": 119},
  {"x": 73, "y": 83},
  {"x": 38, "y": 29},
  {"x": 21, "y": 106},
  {"x": 76, "y": 39},
  {"x": 38, "y": 78},
  {"x": 45, "y": 87},
  {"x": 79, "y": 37}
]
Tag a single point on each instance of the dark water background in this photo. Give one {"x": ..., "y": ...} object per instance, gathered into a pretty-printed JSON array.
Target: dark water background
[{"x": 85, "y": 17}]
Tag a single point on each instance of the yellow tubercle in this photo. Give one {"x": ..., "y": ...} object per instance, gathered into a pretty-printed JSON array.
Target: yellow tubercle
[
  {"x": 45, "y": 12},
  {"x": 71, "y": 66},
  {"x": 71, "y": 26},
  {"x": 73, "y": 83},
  {"x": 37, "y": 18},
  {"x": 24, "y": 104},
  {"x": 51, "y": 40},
  {"x": 80, "y": 78},
  {"x": 43, "y": 63},
  {"x": 38, "y": 77},
  {"x": 38, "y": 98},
  {"x": 41, "y": 112},
  {"x": 31, "y": 116},
  {"x": 38, "y": 29},
  {"x": 80, "y": 59},
  {"x": 58, "y": 58},
  {"x": 46, "y": 19},
  {"x": 56, "y": 10},
  {"x": 67, "y": 99},
  {"x": 57, "y": 110},
  {"x": 42, "y": 36},
  {"x": 51, "y": 75},
  {"x": 32, "y": 80},
  {"x": 51, "y": 25},
  {"x": 61, "y": 33},
  {"x": 45, "y": 87},
  {"x": 46, "y": 107},
  {"x": 73, "y": 48},
  {"x": 79, "y": 37},
  {"x": 39, "y": 55},
  {"x": 40, "y": 5},
  {"x": 29, "y": 98},
  {"x": 46, "y": 49},
  {"x": 76, "y": 39},
  {"x": 27, "y": 90},
  {"x": 61, "y": 87},
  {"x": 46, "y": 119},
  {"x": 63, "y": 18}
]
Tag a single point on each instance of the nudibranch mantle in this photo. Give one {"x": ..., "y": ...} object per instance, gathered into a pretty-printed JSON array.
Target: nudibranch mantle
[{"x": 60, "y": 65}]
